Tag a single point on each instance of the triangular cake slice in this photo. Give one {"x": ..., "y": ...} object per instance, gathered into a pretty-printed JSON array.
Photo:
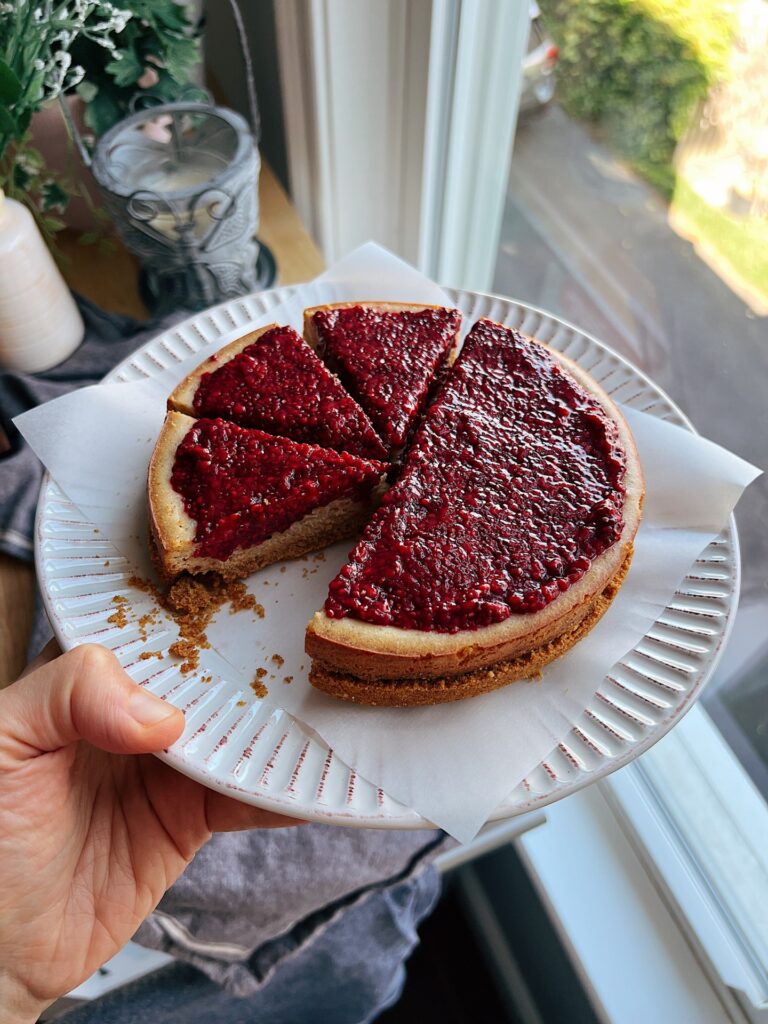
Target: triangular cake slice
[
  {"x": 233, "y": 499},
  {"x": 504, "y": 540},
  {"x": 388, "y": 355},
  {"x": 272, "y": 380}
]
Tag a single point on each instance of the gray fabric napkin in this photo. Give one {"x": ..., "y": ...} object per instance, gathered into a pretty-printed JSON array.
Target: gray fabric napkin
[{"x": 248, "y": 899}]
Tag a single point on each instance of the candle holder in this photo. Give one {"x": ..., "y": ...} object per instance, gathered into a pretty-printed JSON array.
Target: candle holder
[{"x": 180, "y": 182}]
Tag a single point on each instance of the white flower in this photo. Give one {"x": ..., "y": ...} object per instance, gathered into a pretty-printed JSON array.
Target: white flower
[{"x": 76, "y": 75}]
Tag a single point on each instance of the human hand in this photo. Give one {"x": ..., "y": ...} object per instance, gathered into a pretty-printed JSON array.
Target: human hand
[{"x": 91, "y": 835}]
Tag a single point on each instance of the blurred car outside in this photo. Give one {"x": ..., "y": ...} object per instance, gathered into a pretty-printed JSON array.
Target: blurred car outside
[{"x": 538, "y": 66}]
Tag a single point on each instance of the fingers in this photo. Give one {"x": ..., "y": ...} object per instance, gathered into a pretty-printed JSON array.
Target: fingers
[
  {"x": 227, "y": 815},
  {"x": 84, "y": 694}
]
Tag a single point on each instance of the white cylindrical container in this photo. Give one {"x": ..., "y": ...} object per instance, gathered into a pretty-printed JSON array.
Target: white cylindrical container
[{"x": 40, "y": 325}]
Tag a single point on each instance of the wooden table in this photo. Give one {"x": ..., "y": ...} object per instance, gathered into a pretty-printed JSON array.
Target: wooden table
[{"x": 112, "y": 281}]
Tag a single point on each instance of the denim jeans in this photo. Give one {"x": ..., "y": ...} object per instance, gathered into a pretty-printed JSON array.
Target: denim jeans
[{"x": 352, "y": 971}]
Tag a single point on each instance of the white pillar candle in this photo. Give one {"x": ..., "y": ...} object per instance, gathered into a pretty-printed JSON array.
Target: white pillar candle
[{"x": 40, "y": 325}]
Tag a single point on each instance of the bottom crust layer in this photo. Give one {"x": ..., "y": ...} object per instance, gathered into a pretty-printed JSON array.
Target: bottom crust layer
[{"x": 414, "y": 692}]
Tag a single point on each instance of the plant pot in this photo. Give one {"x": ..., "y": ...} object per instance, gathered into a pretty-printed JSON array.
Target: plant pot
[{"x": 51, "y": 137}]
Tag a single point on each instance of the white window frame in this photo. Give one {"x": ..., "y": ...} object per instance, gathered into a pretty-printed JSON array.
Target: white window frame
[
  {"x": 383, "y": 141},
  {"x": 701, "y": 827}
]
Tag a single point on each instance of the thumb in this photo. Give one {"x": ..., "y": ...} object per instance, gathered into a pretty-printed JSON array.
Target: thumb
[{"x": 86, "y": 695}]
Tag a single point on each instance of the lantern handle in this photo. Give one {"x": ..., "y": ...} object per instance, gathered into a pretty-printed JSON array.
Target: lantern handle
[{"x": 253, "y": 102}]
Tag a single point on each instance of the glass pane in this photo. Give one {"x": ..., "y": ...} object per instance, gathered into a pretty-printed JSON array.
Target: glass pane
[{"x": 638, "y": 209}]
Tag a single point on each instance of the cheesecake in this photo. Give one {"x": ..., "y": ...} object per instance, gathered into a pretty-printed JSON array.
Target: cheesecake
[
  {"x": 234, "y": 499},
  {"x": 272, "y": 380},
  {"x": 388, "y": 355}
]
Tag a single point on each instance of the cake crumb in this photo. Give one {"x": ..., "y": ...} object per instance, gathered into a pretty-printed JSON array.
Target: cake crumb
[
  {"x": 278, "y": 660},
  {"x": 106, "y": 564},
  {"x": 146, "y": 655},
  {"x": 287, "y": 679},
  {"x": 241, "y": 704},
  {"x": 192, "y": 601},
  {"x": 282, "y": 568},
  {"x": 258, "y": 687},
  {"x": 261, "y": 673},
  {"x": 119, "y": 617}
]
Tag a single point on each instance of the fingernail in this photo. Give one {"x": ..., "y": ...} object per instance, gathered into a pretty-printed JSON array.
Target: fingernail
[{"x": 148, "y": 710}]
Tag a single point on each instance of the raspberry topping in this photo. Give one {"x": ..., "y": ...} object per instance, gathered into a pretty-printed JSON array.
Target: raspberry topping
[
  {"x": 513, "y": 485},
  {"x": 387, "y": 360},
  {"x": 241, "y": 486},
  {"x": 279, "y": 385}
]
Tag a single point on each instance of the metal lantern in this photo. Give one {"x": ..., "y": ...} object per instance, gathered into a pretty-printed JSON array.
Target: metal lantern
[{"x": 180, "y": 182}]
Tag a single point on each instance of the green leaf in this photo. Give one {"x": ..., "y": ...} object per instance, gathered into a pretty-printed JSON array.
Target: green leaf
[
  {"x": 87, "y": 91},
  {"x": 32, "y": 157},
  {"x": 7, "y": 122},
  {"x": 10, "y": 86},
  {"x": 126, "y": 68},
  {"x": 102, "y": 112},
  {"x": 53, "y": 224},
  {"x": 179, "y": 56},
  {"x": 173, "y": 16},
  {"x": 54, "y": 196}
]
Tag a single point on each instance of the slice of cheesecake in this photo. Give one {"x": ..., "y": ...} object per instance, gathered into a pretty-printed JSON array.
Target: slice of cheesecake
[
  {"x": 273, "y": 381},
  {"x": 506, "y": 537},
  {"x": 232, "y": 499},
  {"x": 388, "y": 355}
]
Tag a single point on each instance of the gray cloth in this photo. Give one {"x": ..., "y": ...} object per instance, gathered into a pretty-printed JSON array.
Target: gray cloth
[
  {"x": 278, "y": 893},
  {"x": 348, "y": 975},
  {"x": 247, "y": 899}
]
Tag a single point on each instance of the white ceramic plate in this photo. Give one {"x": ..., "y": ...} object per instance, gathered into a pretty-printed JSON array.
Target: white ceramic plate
[{"x": 238, "y": 743}]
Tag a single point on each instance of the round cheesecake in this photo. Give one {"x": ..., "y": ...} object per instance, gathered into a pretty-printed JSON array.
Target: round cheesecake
[
  {"x": 506, "y": 534},
  {"x": 502, "y": 543}
]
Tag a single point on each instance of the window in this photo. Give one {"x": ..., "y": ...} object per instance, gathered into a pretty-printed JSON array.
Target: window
[{"x": 637, "y": 208}]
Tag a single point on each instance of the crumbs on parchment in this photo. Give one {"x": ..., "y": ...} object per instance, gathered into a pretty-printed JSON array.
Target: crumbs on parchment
[
  {"x": 241, "y": 704},
  {"x": 287, "y": 679},
  {"x": 258, "y": 687},
  {"x": 278, "y": 660},
  {"x": 192, "y": 601},
  {"x": 146, "y": 655}
]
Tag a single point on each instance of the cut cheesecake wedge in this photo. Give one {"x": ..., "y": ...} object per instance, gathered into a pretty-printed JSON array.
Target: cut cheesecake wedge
[
  {"x": 502, "y": 543},
  {"x": 230, "y": 499},
  {"x": 388, "y": 355},
  {"x": 272, "y": 380}
]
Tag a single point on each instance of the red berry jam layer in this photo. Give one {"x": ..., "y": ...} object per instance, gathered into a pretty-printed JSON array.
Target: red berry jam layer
[
  {"x": 279, "y": 385},
  {"x": 513, "y": 485},
  {"x": 387, "y": 360},
  {"x": 241, "y": 486}
]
